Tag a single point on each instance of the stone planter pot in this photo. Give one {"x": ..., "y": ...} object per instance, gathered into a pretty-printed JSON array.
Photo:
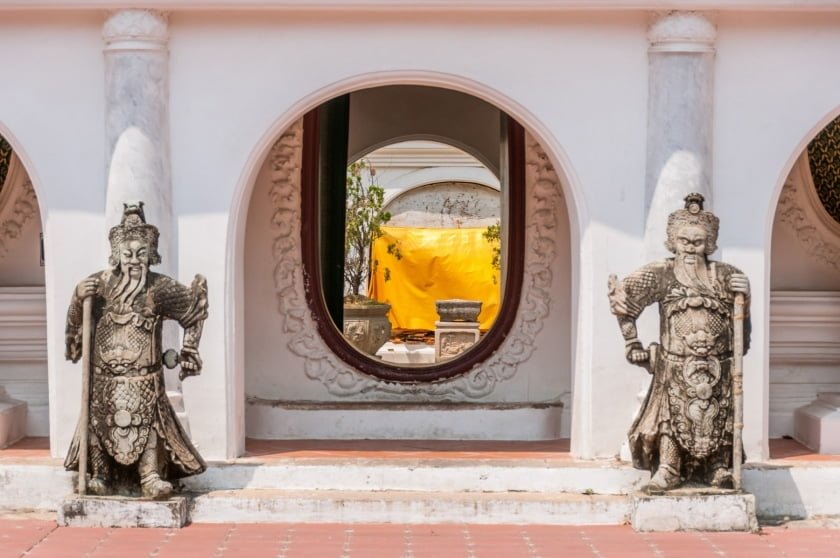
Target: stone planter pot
[
  {"x": 458, "y": 310},
  {"x": 366, "y": 326}
]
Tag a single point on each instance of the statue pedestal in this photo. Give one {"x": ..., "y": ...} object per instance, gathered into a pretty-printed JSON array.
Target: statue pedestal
[
  {"x": 817, "y": 425},
  {"x": 453, "y": 338},
  {"x": 120, "y": 511},
  {"x": 694, "y": 509}
]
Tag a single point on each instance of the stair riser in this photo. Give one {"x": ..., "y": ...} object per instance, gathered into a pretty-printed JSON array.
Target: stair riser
[
  {"x": 423, "y": 478},
  {"x": 416, "y": 511}
]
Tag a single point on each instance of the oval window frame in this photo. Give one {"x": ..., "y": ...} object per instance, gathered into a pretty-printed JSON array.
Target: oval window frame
[{"x": 514, "y": 276}]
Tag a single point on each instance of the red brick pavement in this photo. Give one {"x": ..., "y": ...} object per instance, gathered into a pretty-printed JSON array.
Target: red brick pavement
[{"x": 36, "y": 539}]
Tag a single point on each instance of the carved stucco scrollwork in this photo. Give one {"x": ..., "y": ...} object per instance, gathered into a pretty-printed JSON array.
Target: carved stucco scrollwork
[
  {"x": 339, "y": 379},
  {"x": 800, "y": 208},
  {"x": 18, "y": 205}
]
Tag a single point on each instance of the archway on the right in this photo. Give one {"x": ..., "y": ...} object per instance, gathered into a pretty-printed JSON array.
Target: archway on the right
[{"x": 805, "y": 302}]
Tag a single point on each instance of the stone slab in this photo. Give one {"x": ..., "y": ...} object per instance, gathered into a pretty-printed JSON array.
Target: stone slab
[
  {"x": 332, "y": 506},
  {"x": 279, "y": 420},
  {"x": 817, "y": 425},
  {"x": 694, "y": 510},
  {"x": 116, "y": 511}
]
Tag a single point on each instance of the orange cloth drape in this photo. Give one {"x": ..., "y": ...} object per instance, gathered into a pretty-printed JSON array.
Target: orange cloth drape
[{"x": 435, "y": 264}]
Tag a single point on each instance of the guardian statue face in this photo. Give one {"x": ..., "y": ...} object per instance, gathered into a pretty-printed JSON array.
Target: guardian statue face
[{"x": 134, "y": 257}]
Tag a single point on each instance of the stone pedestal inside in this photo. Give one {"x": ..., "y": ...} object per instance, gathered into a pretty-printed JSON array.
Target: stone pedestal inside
[
  {"x": 458, "y": 328},
  {"x": 118, "y": 511},
  {"x": 12, "y": 419},
  {"x": 694, "y": 509},
  {"x": 453, "y": 338},
  {"x": 817, "y": 425}
]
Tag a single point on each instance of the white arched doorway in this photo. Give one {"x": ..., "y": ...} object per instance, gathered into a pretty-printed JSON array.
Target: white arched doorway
[
  {"x": 550, "y": 224},
  {"x": 805, "y": 295},
  {"x": 24, "y": 408}
]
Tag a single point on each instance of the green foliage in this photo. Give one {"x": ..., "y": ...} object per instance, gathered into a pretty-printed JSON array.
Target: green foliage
[
  {"x": 493, "y": 235},
  {"x": 362, "y": 224}
]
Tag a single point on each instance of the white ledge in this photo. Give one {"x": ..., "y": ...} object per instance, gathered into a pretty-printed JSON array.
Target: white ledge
[{"x": 436, "y": 5}]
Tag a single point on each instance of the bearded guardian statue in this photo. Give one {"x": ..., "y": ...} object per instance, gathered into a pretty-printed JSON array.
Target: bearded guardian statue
[
  {"x": 684, "y": 431},
  {"x": 134, "y": 436}
]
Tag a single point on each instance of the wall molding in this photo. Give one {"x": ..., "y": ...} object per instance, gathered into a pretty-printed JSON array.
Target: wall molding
[
  {"x": 527, "y": 6},
  {"x": 23, "y": 325},
  {"x": 805, "y": 327},
  {"x": 804, "y": 352},
  {"x": 800, "y": 208},
  {"x": 543, "y": 194},
  {"x": 18, "y": 205}
]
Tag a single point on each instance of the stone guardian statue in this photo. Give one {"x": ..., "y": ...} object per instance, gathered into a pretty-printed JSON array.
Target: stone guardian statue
[
  {"x": 684, "y": 430},
  {"x": 135, "y": 442}
]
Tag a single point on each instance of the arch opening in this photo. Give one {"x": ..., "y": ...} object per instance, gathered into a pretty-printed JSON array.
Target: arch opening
[
  {"x": 24, "y": 394},
  {"x": 291, "y": 375},
  {"x": 804, "y": 280}
]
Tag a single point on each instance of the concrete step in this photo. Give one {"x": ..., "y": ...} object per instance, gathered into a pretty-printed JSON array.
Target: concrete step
[
  {"x": 422, "y": 475},
  {"x": 783, "y": 490},
  {"x": 329, "y": 506}
]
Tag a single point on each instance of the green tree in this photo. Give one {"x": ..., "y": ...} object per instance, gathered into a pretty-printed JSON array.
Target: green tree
[
  {"x": 362, "y": 224},
  {"x": 493, "y": 235}
]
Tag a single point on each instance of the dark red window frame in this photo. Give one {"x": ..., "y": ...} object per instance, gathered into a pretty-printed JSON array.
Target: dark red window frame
[{"x": 515, "y": 257}]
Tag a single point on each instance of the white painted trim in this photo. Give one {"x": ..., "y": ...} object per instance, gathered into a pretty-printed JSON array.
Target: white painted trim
[
  {"x": 469, "y": 152},
  {"x": 420, "y": 153},
  {"x": 432, "y": 5},
  {"x": 805, "y": 327}
]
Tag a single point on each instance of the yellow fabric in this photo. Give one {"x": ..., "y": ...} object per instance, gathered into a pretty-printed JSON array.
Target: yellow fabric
[{"x": 436, "y": 264}]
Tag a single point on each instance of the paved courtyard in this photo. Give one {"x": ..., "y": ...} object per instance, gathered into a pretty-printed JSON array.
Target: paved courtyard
[{"x": 35, "y": 539}]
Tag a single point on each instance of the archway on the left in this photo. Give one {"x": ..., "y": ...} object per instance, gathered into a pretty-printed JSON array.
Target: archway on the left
[{"x": 23, "y": 323}]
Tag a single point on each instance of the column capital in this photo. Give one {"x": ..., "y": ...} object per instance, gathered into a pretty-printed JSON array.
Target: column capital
[
  {"x": 135, "y": 29},
  {"x": 682, "y": 32}
]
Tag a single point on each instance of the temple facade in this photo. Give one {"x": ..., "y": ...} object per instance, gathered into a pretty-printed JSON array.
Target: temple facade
[{"x": 203, "y": 110}]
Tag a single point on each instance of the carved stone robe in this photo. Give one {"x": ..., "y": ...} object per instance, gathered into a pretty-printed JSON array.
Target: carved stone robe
[
  {"x": 128, "y": 395},
  {"x": 690, "y": 396}
]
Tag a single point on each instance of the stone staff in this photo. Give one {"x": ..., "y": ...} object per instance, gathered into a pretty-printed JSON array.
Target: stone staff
[
  {"x": 737, "y": 388},
  {"x": 84, "y": 419}
]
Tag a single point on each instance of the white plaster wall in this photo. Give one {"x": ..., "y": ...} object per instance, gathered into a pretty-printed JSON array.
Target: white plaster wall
[
  {"x": 576, "y": 79},
  {"x": 774, "y": 90},
  {"x": 51, "y": 111},
  {"x": 238, "y": 80}
]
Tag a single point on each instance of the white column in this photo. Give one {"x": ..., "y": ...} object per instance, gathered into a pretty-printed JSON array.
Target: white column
[
  {"x": 679, "y": 132},
  {"x": 137, "y": 120},
  {"x": 137, "y": 138}
]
